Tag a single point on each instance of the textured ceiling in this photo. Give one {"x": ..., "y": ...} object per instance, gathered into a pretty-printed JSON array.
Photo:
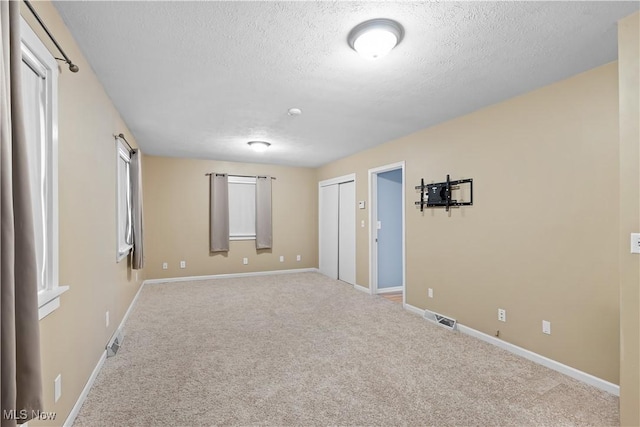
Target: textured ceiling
[{"x": 200, "y": 79}]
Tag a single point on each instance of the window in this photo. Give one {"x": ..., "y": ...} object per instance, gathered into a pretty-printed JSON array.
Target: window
[
  {"x": 40, "y": 100},
  {"x": 242, "y": 208},
  {"x": 123, "y": 202}
]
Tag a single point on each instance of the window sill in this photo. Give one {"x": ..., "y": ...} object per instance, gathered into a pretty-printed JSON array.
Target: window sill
[
  {"x": 242, "y": 237},
  {"x": 49, "y": 301}
]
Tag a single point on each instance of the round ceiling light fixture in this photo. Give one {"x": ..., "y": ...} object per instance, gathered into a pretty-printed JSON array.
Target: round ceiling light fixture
[
  {"x": 294, "y": 111},
  {"x": 259, "y": 146},
  {"x": 375, "y": 38}
]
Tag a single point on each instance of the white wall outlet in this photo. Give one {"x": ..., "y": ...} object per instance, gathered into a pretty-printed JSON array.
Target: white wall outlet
[
  {"x": 298, "y": 257},
  {"x": 106, "y": 319},
  {"x": 362, "y": 223},
  {"x": 502, "y": 315},
  {"x": 430, "y": 293},
  {"x": 546, "y": 327},
  {"x": 165, "y": 265},
  {"x": 281, "y": 258},
  {"x": 57, "y": 388},
  {"x": 245, "y": 261},
  {"x": 635, "y": 243},
  {"x": 183, "y": 264}
]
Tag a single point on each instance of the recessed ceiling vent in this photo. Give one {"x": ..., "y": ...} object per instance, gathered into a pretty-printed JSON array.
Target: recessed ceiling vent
[{"x": 439, "y": 319}]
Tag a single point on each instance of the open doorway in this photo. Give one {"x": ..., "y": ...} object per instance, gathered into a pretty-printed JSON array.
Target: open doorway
[{"x": 387, "y": 229}]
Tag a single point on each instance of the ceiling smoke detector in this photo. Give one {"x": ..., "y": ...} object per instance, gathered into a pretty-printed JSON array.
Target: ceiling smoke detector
[{"x": 375, "y": 38}]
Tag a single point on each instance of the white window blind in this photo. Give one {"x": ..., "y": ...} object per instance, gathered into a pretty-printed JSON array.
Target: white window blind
[
  {"x": 123, "y": 175},
  {"x": 242, "y": 208},
  {"x": 39, "y": 74}
]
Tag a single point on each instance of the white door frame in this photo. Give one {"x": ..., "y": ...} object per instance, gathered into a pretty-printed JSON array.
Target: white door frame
[
  {"x": 373, "y": 249},
  {"x": 332, "y": 181}
]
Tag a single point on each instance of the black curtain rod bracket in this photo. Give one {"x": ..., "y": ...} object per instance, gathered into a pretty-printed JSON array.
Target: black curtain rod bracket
[{"x": 72, "y": 67}]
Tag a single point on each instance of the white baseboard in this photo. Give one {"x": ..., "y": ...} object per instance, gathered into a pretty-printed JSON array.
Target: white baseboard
[
  {"x": 85, "y": 391},
  {"x": 229, "y": 276},
  {"x": 389, "y": 290},
  {"x": 534, "y": 357},
  {"x": 362, "y": 289},
  {"x": 126, "y": 315},
  {"x": 414, "y": 310}
]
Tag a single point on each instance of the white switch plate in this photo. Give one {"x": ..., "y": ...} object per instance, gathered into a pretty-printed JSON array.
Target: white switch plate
[
  {"x": 183, "y": 264},
  {"x": 635, "y": 243},
  {"x": 106, "y": 318},
  {"x": 430, "y": 293},
  {"x": 298, "y": 257},
  {"x": 379, "y": 225},
  {"x": 245, "y": 261},
  {"x": 546, "y": 327},
  {"x": 502, "y": 315},
  {"x": 361, "y": 204},
  {"x": 57, "y": 388},
  {"x": 281, "y": 258},
  {"x": 165, "y": 265}
]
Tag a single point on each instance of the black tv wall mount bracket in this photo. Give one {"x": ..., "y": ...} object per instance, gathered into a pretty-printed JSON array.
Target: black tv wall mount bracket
[{"x": 439, "y": 194}]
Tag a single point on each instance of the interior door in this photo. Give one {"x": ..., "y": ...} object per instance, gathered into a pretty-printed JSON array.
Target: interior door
[
  {"x": 389, "y": 216},
  {"x": 328, "y": 229},
  {"x": 347, "y": 233}
]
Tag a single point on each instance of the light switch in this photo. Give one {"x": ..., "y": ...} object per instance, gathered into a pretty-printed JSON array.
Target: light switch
[
  {"x": 361, "y": 204},
  {"x": 379, "y": 225}
]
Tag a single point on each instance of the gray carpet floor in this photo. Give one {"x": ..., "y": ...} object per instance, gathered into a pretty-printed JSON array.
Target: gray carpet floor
[{"x": 302, "y": 349}]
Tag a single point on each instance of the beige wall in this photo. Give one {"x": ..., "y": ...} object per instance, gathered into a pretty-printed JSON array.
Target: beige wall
[
  {"x": 74, "y": 336},
  {"x": 541, "y": 239},
  {"x": 176, "y": 201},
  {"x": 629, "y": 72}
]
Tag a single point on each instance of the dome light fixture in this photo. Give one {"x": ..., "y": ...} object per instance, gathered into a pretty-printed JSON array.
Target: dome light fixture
[
  {"x": 375, "y": 38},
  {"x": 259, "y": 146}
]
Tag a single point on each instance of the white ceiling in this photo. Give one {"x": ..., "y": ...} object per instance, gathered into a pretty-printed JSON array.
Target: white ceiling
[{"x": 200, "y": 79}]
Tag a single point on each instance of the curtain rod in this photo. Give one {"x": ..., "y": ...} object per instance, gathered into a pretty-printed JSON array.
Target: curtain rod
[
  {"x": 239, "y": 176},
  {"x": 121, "y": 136},
  {"x": 72, "y": 67}
]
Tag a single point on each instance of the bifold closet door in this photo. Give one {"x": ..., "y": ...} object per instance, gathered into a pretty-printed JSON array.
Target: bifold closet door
[
  {"x": 347, "y": 233},
  {"x": 329, "y": 228}
]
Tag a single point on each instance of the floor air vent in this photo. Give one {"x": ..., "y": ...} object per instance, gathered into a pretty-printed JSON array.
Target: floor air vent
[
  {"x": 439, "y": 319},
  {"x": 114, "y": 344}
]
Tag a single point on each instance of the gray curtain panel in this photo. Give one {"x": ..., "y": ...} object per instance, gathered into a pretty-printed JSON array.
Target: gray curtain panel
[
  {"x": 219, "y": 213},
  {"x": 20, "y": 341},
  {"x": 137, "y": 260},
  {"x": 264, "y": 233}
]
